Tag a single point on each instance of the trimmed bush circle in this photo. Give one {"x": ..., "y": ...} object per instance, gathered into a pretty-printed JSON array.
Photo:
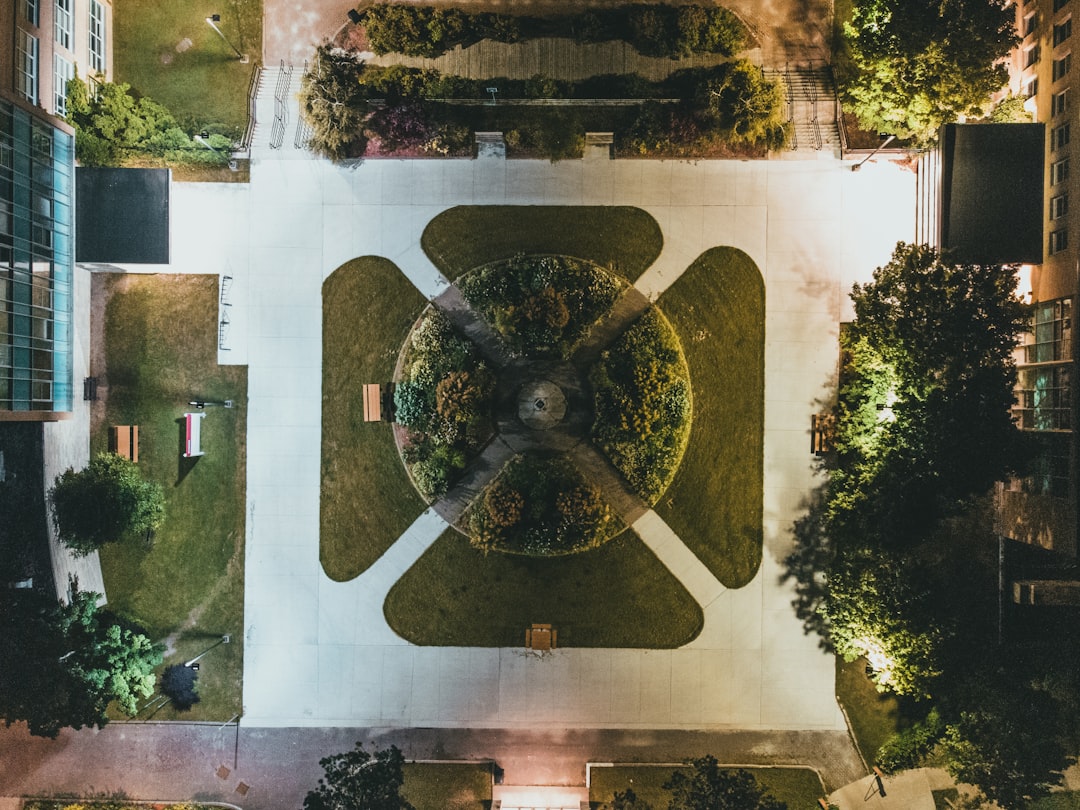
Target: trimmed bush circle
[
  {"x": 540, "y": 506},
  {"x": 643, "y": 404},
  {"x": 444, "y": 402},
  {"x": 541, "y": 306}
]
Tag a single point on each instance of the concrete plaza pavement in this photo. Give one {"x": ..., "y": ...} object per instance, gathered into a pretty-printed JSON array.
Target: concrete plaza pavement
[{"x": 319, "y": 653}]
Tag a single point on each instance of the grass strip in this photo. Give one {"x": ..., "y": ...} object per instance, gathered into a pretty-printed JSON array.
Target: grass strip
[
  {"x": 168, "y": 51},
  {"x": 367, "y": 498},
  {"x": 623, "y": 239},
  {"x": 715, "y": 501},
  {"x": 874, "y": 716},
  {"x": 448, "y": 786},
  {"x": 160, "y": 336},
  {"x": 796, "y": 787},
  {"x": 618, "y": 595}
]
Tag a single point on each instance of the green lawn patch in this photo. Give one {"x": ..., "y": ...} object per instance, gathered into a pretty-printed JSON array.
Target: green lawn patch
[
  {"x": 1066, "y": 800},
  {"x": 448, "y": 786},
  {"x": 714, "y": 503},
  {"x": 160, "y": 334},
  {"x": 874, "y": 716},
  {"x": 623, "y": 239},
  {"x": 797, "y": 787},
  {"x": 618, "y": 595},
  {"x": 367, "y": 498},
  {"x": 168, "y": 51}
]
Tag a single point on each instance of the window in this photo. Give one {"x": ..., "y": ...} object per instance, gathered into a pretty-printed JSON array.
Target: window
[
  {"x": 1062, "y": 30},
  {"x": 30, "y": 11},
  {"x": 1061, "y": 102},
  {"x": 63, "y": 72},
  {"x": 1059, "y": 206},
  {"x": 26, "y": 65},
  {"x": 1059, "y": 136},
  {"x": 1050, "y": 338},
  {"x": 1031, "y": 56},
  {"x": 1031, "y": 87},
  {"x": 1061, "y": 66},
  {"x": 1059, "y": 171},
  {"x": 63, "y": 23},
  {"x": 1029, "y": 24},
  {"x": 1045, "y": 402},
  {"x": 1060, "y": 4},
  {"x": 97, "y": 36},
  {"x": 1059, "y": 241}
]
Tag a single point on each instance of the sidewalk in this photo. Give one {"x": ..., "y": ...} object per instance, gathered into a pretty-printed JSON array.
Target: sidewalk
[{"x": 910, "y": 790}]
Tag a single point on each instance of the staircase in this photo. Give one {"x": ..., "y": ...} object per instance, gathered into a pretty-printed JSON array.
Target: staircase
[
  {"x": 278, "y": 125},
  {"x": 811, "y": 107}
]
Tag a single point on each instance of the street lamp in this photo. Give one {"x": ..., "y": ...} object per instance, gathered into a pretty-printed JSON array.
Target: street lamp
[
  {"x": 224, "y": 640},
  {"x": 212, "y": 21}
]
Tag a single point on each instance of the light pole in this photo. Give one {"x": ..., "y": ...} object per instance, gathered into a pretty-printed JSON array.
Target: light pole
[
  {"x": 881, "y": 146},
  {"x": 212, "y": 21},
  {"x": 224, "y": 640}
]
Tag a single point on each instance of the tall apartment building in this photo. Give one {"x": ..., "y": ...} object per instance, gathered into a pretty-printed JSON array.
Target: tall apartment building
[
  {"x": 1043, "y": 508},
  {"x": 45, "y": 42}
]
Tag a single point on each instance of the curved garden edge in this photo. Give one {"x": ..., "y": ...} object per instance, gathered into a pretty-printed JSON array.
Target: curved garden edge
[
  {"x": 715, "y": 502},
  {"x": 622, "y": 239},
  {"x": 367, "y": 500}
]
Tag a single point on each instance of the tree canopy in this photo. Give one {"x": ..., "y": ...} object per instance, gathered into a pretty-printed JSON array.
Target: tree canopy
[
  {"x": 358, "y": 778},
  {"x": 104, "y": 503},
  {"x": 918, "y": 64},
  {"x": 709, "y": 787},
  {"x": 62, "y": 664}
]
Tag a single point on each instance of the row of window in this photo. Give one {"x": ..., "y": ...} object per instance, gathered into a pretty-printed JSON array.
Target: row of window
[{"x": 27, "y": 67}]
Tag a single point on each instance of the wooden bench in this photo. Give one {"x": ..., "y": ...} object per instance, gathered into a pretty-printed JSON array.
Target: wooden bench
[
  {"x": 372, "y": 402},
  {"x": 124, "y": 441},
  {"x": 193, "y": 434},
  {"x": 822, "y": 433},
  {"x": 541, "y": 637}
]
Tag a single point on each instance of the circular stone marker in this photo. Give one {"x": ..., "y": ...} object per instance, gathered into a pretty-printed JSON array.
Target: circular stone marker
[{"x": 541, "y": 404}]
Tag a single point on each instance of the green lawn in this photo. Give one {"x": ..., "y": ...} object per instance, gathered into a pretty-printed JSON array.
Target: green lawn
[
  {"x": 448, "y": 786},
  {"x": 619, "y": 595},
  {"x": 624, "y": 239},
  {"x": 874, "y": 716},
  {"x": 714, "y": 504},
  {"x": 160, "y": 335},
  {"x": 797, "y": 787},
  {"x": 367, "y": 498},
  {"x": 168, "y": 51},
  {"x": 1066, "y": 800}
]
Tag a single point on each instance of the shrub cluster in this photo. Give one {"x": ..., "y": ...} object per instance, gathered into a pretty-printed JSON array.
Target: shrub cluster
[
  {"x": 444, "y": 398},
  {"x": 653, "y": 30},
  {"x": 348, "y": 104},
  {"x": 542, "y": 305},
  {"x": 540, "y": 506},
  {"x": 641, "y": 389}
]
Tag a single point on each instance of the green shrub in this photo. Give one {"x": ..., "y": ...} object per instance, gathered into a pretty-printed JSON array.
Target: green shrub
[
  {"x": 642, "y": 404},
  {"x": 539, "y": 506},
  {"x": 542, "y": 305},
  {"x": 910, "y": 747}
]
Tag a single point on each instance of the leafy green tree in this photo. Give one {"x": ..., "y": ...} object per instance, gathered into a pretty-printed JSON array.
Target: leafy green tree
[
  {"x": 359, "y": 779},
  {"x": 333, "y": 101},
  {"x": 106, "y": 502},
  {"x": 627, "y": 800},
  {"x": 745, "y": 105},
  {"x": 918, "y": 64},
  {"x": 709, "y": 787},
  {"x": 180, "y": 685},
  {"x": 62, "y": 664}
]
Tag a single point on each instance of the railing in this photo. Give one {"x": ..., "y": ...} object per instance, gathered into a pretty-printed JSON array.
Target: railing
[
  {"x": 253, "y": 92},
  {"x": 223, "y": 309},
  {"x": 303, "y": 130},
  {"x": 281, "y": 106},
  {"x": 791, "y": 107}
]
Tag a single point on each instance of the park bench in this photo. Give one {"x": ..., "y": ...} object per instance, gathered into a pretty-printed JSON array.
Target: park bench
[
  {"x": 541, "y": 637},
  {"x": 125, "y": 441},
  {"x": 822, "y": 433},
  {"x": 193, "y": 434},
  {"x": 372, "y": 402}
]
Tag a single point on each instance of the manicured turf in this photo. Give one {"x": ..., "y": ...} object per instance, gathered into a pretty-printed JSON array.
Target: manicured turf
[
  {"x": 874, "y": 716},
  {"x": 168, "y": 51},
  {"x": 715, "y": 502},
  {"x": 616, "y": 596},
  {"x": 465, "y": 786},
  {"x": 367, "y": 498},
  {"x": 797, "y": 787},
  {"x": 160, "y": 337},
  {"x": 624, "y": 239}
]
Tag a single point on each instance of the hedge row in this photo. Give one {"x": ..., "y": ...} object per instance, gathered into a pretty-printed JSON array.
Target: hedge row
[{"x": 652, "y": 30}]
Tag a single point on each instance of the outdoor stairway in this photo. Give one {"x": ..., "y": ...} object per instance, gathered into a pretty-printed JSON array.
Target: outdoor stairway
[
  {"x": 277, "y": 112},
  {"x": 811, "y": 107}
]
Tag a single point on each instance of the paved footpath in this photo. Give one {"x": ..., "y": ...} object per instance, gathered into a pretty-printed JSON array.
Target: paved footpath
[{"x": 180, "y": 761}]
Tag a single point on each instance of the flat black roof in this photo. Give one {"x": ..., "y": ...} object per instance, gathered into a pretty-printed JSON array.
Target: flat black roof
[
  {"x": 992, "y": 192},
  {"x": 122, "y": 215}
]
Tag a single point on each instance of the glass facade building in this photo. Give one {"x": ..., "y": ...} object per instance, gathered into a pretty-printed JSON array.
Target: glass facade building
[{"x": 36, "y": 263}]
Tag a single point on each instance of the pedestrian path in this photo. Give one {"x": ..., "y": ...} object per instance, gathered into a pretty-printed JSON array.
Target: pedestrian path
[{"x": 678, "y": 559}]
